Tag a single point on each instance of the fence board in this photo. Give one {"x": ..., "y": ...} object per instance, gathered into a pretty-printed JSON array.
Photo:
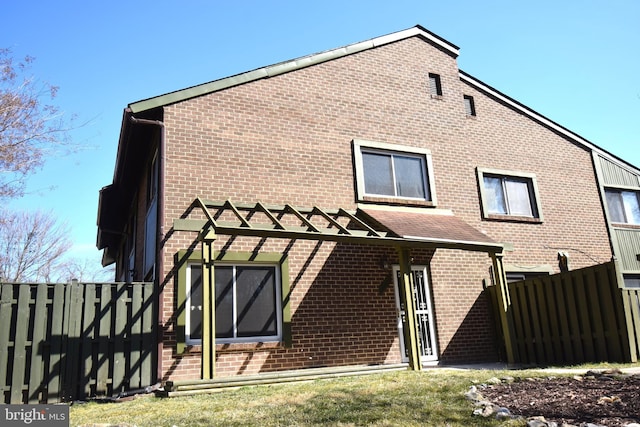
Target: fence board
[
  {"x": 120, "y": 336},
  {"x": 38, "y": 338},
  {"x": 6, "y": 303},
  {"x": 564, "y": 334},
  {"x": 586, "y": 335},
  {"x": 553, "y": 323},
  {"x": 544, "y": 317},
  {"x": 135, "y": 339},
  {"x": 535, "y": 322},
  {"x": 88, "y": 321},
  {"x": 103, "y": 380},
  {"x": 521, "y": 323},
  {"x": 632, "y": 311},
  {"x": 20, "y": 345},
  {"x": 606, "y": 296},
  {"x": 56, "y": 344},
  {"x": 595, "y": 316},
  {"x": 148, "y": 339}
]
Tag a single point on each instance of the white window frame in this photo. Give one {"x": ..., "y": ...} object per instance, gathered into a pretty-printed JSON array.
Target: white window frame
[
  {"x": 628, "y": 216},
  {"x": 534, "y": 194},
  {"x": 235, "y": 339},
  {"x": 360, "y": 146}
]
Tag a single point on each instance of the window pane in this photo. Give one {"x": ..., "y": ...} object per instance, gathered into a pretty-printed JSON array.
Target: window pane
[
  {"x": 519, "y": 198},
  {"x": 616, "y": 208},
  {"x": 495, "y": 195},
  {"x": 256, "y": 294},
  {"x": 195, "y": 303},
  {"x": 632, "y": 281},
  {"x": 224, "y": 301},
  {"x": 378, "y": 176},
  {"x": 410, "y": 175},
  {"x": 631, "y": 206}
]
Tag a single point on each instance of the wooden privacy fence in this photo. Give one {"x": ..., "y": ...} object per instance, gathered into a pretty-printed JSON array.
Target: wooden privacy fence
[
  {"x": 576, "y": 317},
  {"x": 69, "y": 341}
]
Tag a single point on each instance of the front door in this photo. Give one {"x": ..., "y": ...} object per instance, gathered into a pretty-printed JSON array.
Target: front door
[{"x": 424, "y": 315}]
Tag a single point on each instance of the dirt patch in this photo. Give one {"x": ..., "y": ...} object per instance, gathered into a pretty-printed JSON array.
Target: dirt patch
[{"x": 605, "y": 399}]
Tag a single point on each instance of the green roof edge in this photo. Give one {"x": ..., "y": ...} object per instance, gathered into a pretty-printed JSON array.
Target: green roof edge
[{"x": 288, "y": 66}]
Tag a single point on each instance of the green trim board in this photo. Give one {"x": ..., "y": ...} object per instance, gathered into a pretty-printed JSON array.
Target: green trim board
[
  {"x": 288, "y": 66},
  {"x": 185, "y": 257}
]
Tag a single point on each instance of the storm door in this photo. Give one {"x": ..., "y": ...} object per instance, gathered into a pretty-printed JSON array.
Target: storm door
[{"x": 424, "y": 315}]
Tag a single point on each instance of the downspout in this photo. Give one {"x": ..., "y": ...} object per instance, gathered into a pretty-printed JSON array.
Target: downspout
[{"x": 159, "y": 265}]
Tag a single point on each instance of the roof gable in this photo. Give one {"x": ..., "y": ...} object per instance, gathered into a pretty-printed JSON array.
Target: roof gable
[{"x": 287, "y": 66}]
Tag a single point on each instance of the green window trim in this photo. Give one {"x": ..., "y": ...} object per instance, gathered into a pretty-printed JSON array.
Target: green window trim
[{"x": 185, "y": 257}]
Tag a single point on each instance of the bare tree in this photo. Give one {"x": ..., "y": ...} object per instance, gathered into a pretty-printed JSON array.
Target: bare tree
[
  {"x": 85, "y": 270},
  {"x": 30, "y": 127},
  {"x": 32, "y": 245}
]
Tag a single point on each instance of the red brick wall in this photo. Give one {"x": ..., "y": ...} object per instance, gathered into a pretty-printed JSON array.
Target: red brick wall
[{"x": 287, "y": 139}]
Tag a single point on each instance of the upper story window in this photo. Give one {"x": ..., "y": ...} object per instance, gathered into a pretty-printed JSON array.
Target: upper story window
[
  {"x": 248, "y": 303},
  {"x": 386, "y": 172},
  {"x": 469, "y": 105},
  {"x": 624, "y": 206},
  {"x": 509, "y": 195},
  {"x": 435, "y": 85}
]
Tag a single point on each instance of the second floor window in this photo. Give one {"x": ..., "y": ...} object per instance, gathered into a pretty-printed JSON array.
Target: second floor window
[
  {"x": 386, "y": 171},
  {"x": 395, "y": 175},
  {"x": 508, "y": 195},
  {"x": 624, "y": 206}
]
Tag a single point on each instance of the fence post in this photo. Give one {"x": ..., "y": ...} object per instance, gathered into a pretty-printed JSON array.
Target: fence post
[{"x": 504, "y": 305}]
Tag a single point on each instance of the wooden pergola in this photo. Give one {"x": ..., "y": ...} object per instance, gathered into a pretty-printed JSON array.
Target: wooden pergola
[{"x": 368, "y": 227}]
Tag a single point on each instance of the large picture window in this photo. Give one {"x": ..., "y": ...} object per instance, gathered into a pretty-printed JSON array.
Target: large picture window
[
  {"x": 624, "y": 206},
  {"x": 508, "y": 195},
  {"x": 385, "y": 171},
  {"x": 247, "y": 299}
]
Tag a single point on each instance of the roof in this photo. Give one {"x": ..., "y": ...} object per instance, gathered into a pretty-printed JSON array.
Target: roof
[
  {"x": 437, "y": 227},
  {"x": 287, "y": 66}
]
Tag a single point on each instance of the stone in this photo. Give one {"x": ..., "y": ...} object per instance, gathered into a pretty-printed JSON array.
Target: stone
[
  {"x": 538, "y": 422},
  {"x": 494, "y": 380},
  {"x": 503, "y": 414}
]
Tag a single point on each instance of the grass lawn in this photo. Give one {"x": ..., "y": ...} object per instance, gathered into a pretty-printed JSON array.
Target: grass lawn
[{"x": 429, "y": 398}]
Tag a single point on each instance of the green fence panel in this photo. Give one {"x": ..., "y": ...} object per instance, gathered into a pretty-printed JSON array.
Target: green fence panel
[
  {"x": 575, "y": 317},
  {"x": 64, "y": 342}
]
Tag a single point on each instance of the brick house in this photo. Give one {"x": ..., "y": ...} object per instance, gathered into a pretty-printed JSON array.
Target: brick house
[{"x": 301, "y": 214}]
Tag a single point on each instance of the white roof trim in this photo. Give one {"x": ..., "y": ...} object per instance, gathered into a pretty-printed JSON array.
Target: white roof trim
[{"x": 287, "y": 66}]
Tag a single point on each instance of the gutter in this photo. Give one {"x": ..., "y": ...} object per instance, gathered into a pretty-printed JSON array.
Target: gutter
[{"x": 159, "y": 269}]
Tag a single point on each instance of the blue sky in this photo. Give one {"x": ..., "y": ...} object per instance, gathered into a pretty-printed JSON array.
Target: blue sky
[{"x": 574, "y": 61}]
